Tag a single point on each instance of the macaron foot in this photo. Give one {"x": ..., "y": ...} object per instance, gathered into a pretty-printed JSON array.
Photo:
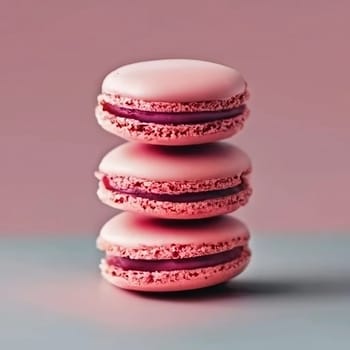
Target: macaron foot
[
  {"x": 177, "y": 280},
  {"x": 171, "y": 135},
  {"x": 171, "y": 210}
]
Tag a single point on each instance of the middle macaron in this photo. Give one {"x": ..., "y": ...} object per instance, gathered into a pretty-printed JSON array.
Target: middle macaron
[{"x": 175, "y": 182}]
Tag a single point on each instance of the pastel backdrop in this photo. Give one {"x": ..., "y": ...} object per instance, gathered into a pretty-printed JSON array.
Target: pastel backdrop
[{"x": 294, "y": 55}]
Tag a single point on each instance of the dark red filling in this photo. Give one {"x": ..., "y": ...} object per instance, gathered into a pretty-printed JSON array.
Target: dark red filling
[
  {"x": 176, "y": 198},
  {"x": 175, "y": 264},
  {"x": 174, "y": 118}
]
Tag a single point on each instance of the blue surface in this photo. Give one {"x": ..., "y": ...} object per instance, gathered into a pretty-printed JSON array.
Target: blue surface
[{"x": 296, "y": 293}]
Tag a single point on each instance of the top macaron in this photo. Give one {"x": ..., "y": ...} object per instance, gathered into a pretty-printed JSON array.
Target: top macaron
[{"x": 173, "y": 102}]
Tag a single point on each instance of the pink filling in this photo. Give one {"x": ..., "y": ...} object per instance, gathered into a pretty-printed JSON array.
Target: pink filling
[
  {"x": 174, "y": 118},
  {"x": 174, "y": 264},
  {"x": 176, "y": 198}
]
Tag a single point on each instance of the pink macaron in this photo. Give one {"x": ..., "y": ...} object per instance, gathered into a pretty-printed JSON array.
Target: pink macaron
[
  {"x": 155, "y": 255},
  {"x": 173, "y": 102},
  {"x": 175, "y": 182}
]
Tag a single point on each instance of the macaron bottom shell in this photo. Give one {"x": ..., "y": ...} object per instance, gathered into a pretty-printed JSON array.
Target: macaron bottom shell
[
  {"x": 169, "y": 134},
  {"x": 176, "y": 280},
  {"x": 172, "y": 210}
]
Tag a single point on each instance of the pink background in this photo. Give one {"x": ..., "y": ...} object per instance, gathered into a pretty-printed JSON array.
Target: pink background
[{"x": 294, "y": 54}]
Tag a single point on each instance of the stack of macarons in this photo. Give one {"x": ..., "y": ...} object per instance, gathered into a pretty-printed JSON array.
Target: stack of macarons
[{"x": 176, "y": 179}]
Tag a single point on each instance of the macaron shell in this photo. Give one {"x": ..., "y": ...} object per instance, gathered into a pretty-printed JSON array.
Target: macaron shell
[
  {"x": 133, "y": 231},
  {"x": 170, "y": 135},
  {"x": 170, "y": 210},
  {"x": 151, "y": 162},
  {"x": 174, "y": 80},
  {"x": 171, "y": 281}
]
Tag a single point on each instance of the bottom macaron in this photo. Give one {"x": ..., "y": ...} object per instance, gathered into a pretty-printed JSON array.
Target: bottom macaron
[{"x": 156, "y": 255}]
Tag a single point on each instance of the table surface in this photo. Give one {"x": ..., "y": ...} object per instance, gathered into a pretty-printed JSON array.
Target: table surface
[{"x": 296, "y": 292}]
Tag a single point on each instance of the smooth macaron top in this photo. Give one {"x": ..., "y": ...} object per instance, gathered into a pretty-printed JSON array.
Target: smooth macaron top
[
  {"x": 174, "y": 80},
  {"x": 210, "y": 161},
  {"x": 135, "y": 231}
]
